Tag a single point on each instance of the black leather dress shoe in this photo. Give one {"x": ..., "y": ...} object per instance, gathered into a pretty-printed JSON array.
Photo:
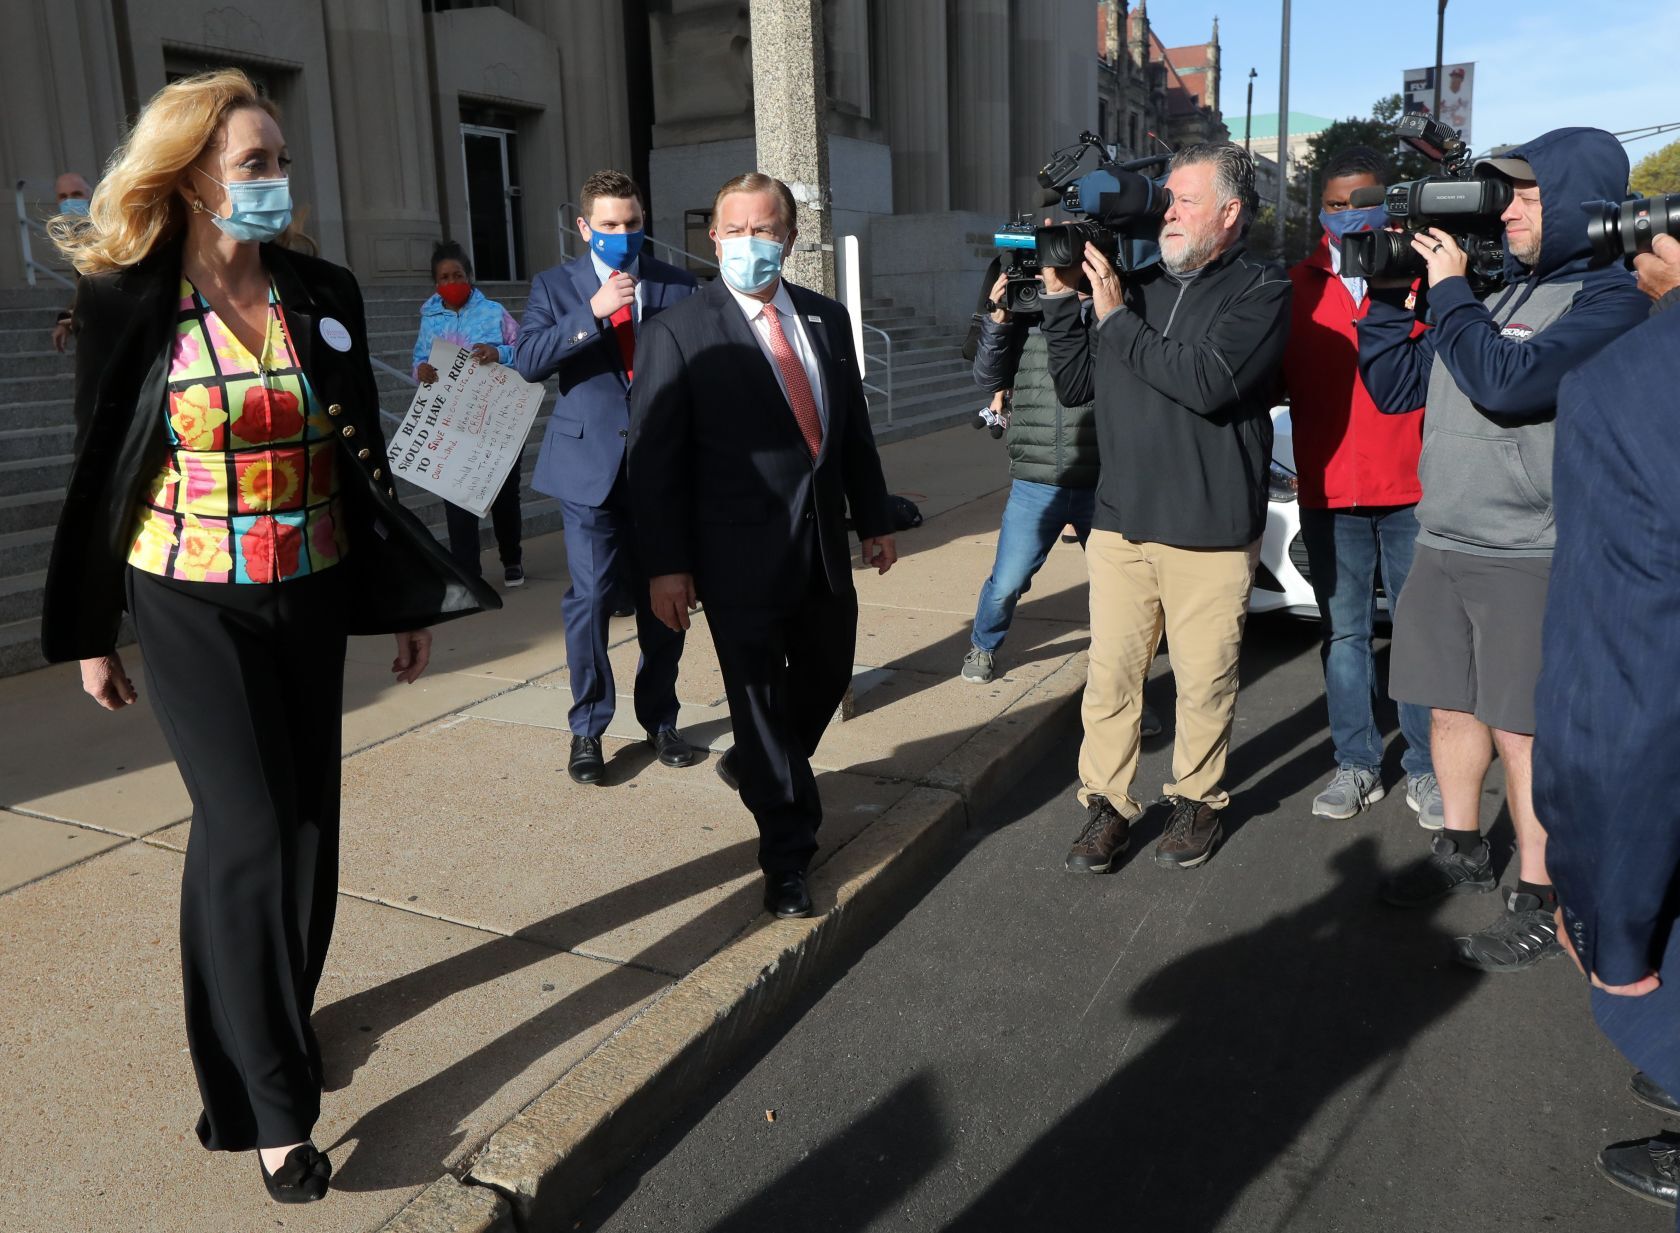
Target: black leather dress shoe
[
  {"x": 726, "y": 771},
  {"x": 1649, "y": 1168},
  {"x": 301, "y": 1178},
  {"x": 786, "y": 896},
  {"x": 672, "y": 749},
  {"x": 1646, "y": 1092},
  {"x": 586, "y": 765}
]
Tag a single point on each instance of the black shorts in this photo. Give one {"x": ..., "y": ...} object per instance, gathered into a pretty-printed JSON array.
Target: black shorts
[{"x": 1467, "y": 635}]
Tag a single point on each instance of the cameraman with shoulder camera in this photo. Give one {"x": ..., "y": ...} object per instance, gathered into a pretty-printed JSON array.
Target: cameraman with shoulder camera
[
  {"x": 1608, "y": 703},
  {"x": 1183, "y": 360},
  {"x": 1467, "y": 625}
]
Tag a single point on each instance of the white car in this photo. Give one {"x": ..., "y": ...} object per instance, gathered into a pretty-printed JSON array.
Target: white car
[{"x": 1283, "y": 582}]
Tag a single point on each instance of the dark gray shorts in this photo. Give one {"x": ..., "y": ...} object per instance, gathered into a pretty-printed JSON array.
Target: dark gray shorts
[{"x": 1467, "y": 635}]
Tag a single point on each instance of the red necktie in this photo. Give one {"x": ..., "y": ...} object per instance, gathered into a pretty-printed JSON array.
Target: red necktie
[
  {"x": 798, "y": 384},
  {"x": 625, "y": 331}
]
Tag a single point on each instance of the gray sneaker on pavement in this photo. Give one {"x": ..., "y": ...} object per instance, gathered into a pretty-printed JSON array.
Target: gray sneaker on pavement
[
  {"x": 977, "y": 666},
  {"x": 1349, "y": 792},
  {"x": 1423, "y": 797}
]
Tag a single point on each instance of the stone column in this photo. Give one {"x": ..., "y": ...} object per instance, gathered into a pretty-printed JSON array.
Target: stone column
[
  {"x": 914, "y": 89},
  {"x": 790, "y": 107},
  {"x": 980, "y": 119},
  {"x": 846, "y": 38}
]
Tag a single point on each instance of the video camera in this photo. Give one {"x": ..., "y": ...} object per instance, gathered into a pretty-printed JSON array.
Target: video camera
[
  {"x": 1624, "y": 229},
  {"x": 1458, "y": 202},
  {"x": 1121, "y": 212}
]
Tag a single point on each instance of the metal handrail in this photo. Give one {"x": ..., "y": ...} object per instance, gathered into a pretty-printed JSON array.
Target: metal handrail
[
  {"x": 887, "y": 364},
  {"x": 567, "y": 237},
  {"x": 30, "y": 265},
  {"x": 405, "y": 378}
]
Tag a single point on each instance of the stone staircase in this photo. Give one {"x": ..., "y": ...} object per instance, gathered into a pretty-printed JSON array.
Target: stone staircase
[{"x": 931, "y": 389}]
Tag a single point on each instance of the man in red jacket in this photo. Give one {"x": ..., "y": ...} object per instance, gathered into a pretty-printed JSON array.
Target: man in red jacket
[{"x": 1357, "y": 470}]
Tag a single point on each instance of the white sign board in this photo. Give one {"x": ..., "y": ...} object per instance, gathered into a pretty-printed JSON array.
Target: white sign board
[
  {"x": 463, "y": 432},
  {"x": 1457, "y": 84}
]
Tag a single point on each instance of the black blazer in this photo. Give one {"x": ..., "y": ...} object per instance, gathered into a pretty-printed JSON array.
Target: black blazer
[
  {"x": 722, "y": 485},
  {"x": 125, "y": 331}
]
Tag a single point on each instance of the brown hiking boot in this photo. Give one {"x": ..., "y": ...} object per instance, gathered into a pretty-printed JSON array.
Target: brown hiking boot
[
  {"x": 1103, "y": 839},
  {"x": 1192, "y": 833}
]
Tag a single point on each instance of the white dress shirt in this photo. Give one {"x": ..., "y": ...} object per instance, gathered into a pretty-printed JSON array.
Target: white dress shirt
[
  {"x": 604, "y": 271},
  {"x": 794, "y": 329}
]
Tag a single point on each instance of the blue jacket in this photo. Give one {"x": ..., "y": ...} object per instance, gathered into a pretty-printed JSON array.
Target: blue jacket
[
  {"x": 481, "y": 320},
  {"x": 1608, "y": 703},
  {"x": 583, "y": 447}
]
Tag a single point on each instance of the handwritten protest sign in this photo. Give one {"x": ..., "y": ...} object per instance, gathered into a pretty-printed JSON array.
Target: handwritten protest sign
[{"x": 463, "y": 432}]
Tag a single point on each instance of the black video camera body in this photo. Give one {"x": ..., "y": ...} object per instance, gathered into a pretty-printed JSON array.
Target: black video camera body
[
  {"x": 1019, "y": 263},
  {"x": 1120, "y": 208},
  {"x": 1458, "y": 202}
]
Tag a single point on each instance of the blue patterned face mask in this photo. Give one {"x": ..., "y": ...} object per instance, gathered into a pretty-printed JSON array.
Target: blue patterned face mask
[
  {"x": 748, "y": 263},
  {"x": 257, "y": 209},
  {"x": 1339, "y": 223}
]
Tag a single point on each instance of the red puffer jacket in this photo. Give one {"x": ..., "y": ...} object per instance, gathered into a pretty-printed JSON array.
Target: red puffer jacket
[{"x": 1347, "y": 453}]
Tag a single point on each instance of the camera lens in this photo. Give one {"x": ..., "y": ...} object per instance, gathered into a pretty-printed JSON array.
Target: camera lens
[{"x": 1626, "y": 228}]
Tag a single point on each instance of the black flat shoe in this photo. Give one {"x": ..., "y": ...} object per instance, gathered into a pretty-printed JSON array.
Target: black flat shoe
[
  {"x": 1646, "y": 1092},
  {"x": 302, "y": 1178},
  {"x": 726, "y": 771},
  {"x": 672, "y": 749},
  {"x": 786, "y": 896},
  {"x": 586, "y": 764}
]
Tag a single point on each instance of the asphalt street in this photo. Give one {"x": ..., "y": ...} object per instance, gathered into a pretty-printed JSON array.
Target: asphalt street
[{"x": 1254, "y": 1045}]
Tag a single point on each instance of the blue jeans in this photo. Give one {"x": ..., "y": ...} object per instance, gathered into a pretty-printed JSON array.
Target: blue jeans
[
  {"x": 1032, "y": 520},
  {"x": 1344, "y": 550}
]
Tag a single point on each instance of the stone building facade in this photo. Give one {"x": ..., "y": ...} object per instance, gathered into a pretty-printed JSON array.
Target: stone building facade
[{"x": 478, "y": 119}]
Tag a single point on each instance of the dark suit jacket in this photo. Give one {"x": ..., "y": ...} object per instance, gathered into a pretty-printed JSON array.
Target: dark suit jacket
[
  {"x": 722, "y": 485},
  {"x": 125, "y": 333},
  {"x": 1607, "y": 725},
  {"x": 559, "y": 336}
]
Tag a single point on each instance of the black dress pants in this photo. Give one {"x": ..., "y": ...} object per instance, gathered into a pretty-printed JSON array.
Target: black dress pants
[
  {"x": 505, "y": 519},
  {"x": 785, "y": 670},
  {"x": 248, "y": 684}
]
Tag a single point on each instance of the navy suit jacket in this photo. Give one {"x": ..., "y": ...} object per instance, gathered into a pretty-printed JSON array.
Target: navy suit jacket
[
  {"x": 722, "y": 484},
  {"x": 1608, "y": 703},
  {"x": 559, "y": 336}
]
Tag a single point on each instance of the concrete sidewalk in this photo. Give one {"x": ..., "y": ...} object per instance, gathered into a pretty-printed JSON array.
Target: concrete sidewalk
[{"x": 511, "y": 948}]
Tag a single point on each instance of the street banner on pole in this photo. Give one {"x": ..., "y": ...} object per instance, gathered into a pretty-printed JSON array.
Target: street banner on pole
[
  {"x": 1456, "y": 83},
  {"x": 463, "y": 432}
]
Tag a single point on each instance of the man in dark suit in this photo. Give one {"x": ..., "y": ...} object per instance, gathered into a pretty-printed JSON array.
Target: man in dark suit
[
  {"x": 749, "y": 438},
  {"x": 1608, "y": 705},
  {"x": 583, "y": 324}
]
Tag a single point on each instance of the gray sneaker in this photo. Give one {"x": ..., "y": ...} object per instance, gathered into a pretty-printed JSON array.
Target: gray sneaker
[
  {"x": 1348, "y": 792},
  {"x": 977, "y": 666},
  {"x": 1423, "y": 797}
]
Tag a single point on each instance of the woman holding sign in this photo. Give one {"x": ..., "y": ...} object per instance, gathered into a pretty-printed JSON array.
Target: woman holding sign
[{"x": 230, "y": 492}]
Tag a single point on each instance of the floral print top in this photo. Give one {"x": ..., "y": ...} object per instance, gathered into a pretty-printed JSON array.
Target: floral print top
[{"x": 249, "y": 490}]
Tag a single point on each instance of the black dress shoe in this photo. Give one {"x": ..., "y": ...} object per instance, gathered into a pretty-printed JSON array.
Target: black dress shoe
[
  {"x": 1646, "y": 1092},
  {"x": 785, "y": 896},
  {"x": 586, "y": 765},
  {"x": 726, "y": 771},
  {"x": 1649, "y": 1168},
  {"x": 301, "y": 1178},
  {"x": 672, "y": 749}
]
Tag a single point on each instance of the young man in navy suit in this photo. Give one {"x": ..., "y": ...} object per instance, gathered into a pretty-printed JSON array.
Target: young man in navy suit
[
  {"x": 749, "y": 440},
  {"x": 582, "y": 324}
]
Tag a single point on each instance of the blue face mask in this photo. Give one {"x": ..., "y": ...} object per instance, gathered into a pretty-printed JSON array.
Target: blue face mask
[
  {"x": 73, "y": 205},
  {"x": 257, "y": 209},
  {"x": 1344, "y": 222},
  {"x": 748, "y": 263},
  {"x": 617, "y": 250}
]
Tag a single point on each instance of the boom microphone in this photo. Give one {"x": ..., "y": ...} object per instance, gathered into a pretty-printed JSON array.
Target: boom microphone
[{"x": 1364, "y": 198}]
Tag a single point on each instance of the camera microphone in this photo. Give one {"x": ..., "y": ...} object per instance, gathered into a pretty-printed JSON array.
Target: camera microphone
[
  {"x": 1364, "y": 198},
  {"x": 1049, "y": 197}
]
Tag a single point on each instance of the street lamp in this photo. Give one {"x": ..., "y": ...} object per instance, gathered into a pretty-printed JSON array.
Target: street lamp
[
  {"x": 1248, "y": 116},
  {"x": 1440, "y": 32},
  {"x": 1283, "y": 130}
]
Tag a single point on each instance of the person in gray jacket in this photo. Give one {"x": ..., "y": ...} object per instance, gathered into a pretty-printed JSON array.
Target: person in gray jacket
[
  {"x": 1052, "y": 471},
  {"x": 1467, "y": 624}
]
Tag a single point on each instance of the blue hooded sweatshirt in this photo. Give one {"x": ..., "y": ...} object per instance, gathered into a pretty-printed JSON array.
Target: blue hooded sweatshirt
[
  {"x": 1488, "y": 373},
  {"x": 481, "y": 320}
]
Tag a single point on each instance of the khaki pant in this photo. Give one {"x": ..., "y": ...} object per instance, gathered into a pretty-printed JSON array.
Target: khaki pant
[{"x": 1200, "y": 596}]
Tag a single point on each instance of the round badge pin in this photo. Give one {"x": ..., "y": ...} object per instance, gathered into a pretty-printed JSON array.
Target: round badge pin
[{"x": 334, "y": 334}]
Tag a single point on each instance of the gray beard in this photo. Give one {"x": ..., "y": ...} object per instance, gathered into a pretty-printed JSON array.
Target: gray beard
[{"x": 1195, "y": 254}]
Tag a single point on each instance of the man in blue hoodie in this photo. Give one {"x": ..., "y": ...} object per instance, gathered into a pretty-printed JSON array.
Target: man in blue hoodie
[
  {"x": 1467, "y": 624},
  {"x": 1609, "y": 705}
]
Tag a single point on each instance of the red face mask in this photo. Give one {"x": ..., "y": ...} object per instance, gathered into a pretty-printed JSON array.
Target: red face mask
[{"x": 454, "y": 295}]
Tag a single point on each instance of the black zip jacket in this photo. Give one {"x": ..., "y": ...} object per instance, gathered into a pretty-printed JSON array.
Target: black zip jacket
[{"x": 1184, "y": 377}]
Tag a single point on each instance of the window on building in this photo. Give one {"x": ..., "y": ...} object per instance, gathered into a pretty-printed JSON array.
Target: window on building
[{"x": 444, "y": 6}]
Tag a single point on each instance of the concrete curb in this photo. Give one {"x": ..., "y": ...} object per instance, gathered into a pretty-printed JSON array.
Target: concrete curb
[{"x": 556, "y": 1152}]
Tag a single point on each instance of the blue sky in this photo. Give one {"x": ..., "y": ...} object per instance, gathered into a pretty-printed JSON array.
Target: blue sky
[{"x": 1540, "y": 64}]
